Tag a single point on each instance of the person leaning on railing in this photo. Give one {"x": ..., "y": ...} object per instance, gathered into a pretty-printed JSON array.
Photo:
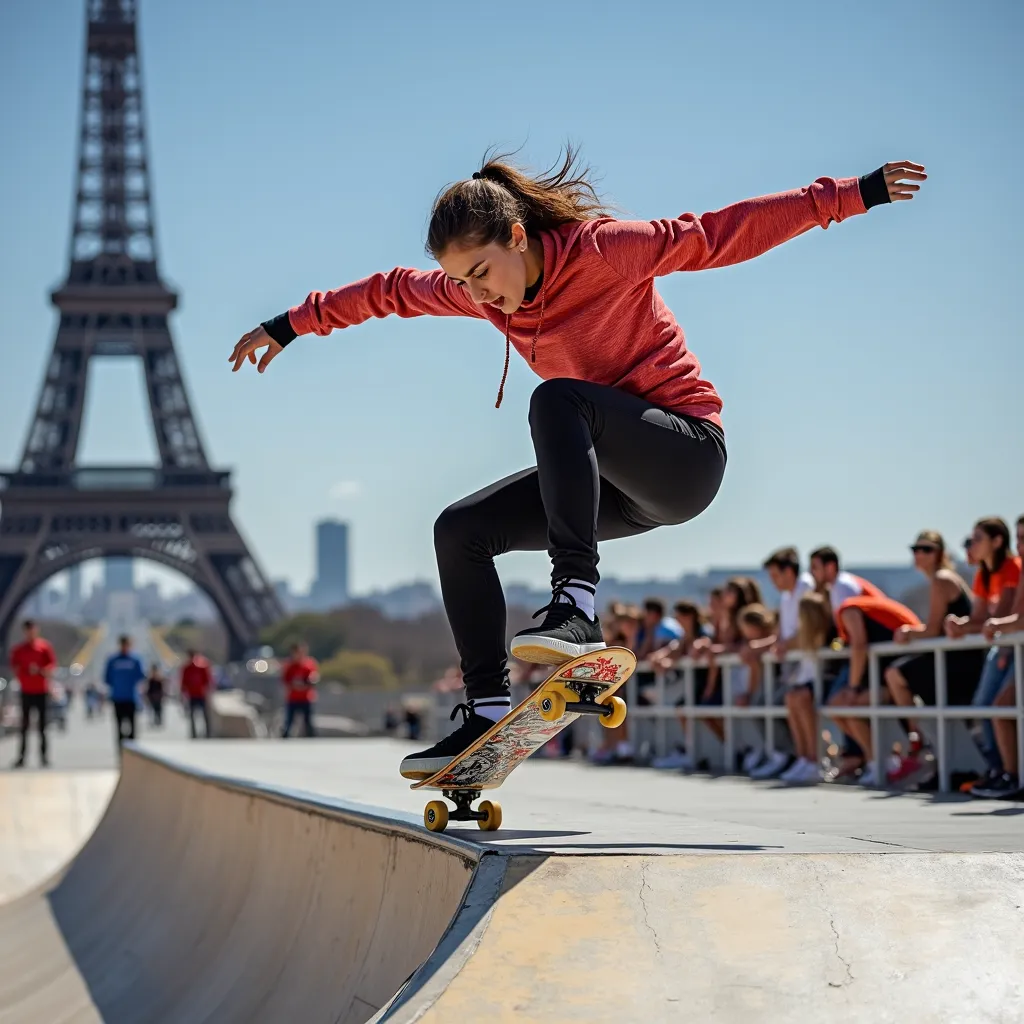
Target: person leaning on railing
[
  {"x": 995, "y": 585},
  {"x": 864, "y": 620},
  {"x": 914, "y": 675},
  {"x": 1007, "y": 784}
]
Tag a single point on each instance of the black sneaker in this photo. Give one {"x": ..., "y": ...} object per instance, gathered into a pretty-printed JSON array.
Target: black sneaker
[
  {"x": 566, "y": 632},
  {"x": 1006, "y": 787},
  {"x": 20, "y": 763},
  {"x": 424, "y": 763}
]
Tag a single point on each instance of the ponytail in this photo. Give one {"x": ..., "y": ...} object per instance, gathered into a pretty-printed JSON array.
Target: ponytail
[{"x": 482, "y": 209}]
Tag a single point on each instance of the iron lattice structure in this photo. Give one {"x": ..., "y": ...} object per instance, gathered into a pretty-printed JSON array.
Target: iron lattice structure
[{"x": 55, "y": 513}]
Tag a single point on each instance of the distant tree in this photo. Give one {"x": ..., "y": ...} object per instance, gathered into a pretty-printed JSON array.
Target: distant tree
[{"x": 360, "y": 669}]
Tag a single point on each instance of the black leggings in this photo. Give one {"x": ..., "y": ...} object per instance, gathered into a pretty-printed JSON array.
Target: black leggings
[{"x": 609, "y": 465}]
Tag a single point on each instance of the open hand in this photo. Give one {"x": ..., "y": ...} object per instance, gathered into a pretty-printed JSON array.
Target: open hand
[
  {"x": 899, "y": 179},
  {"x": 247, "y": 347}
]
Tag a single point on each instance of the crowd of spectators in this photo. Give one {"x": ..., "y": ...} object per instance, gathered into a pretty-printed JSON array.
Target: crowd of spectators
[{"x": 827, "y": 607}]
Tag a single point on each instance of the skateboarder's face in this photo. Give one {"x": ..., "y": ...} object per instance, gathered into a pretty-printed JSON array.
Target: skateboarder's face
[{"x": 495, "y": 274}]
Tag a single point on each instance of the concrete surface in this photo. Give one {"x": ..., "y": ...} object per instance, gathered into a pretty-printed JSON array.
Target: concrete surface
[
  {"x": 45, "y": 817},
  {"x": 256, "y": 881},
  {"x": 566, "y": 807}
]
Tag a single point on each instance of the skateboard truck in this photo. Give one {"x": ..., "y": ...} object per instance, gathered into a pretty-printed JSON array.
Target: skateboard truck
[
  {"x": 437, "y": 815},
  {"x": 581, "y": 699}
]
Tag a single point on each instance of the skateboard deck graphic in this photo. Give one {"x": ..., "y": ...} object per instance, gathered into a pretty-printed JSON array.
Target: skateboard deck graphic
[{"x": 584, "y": 685}]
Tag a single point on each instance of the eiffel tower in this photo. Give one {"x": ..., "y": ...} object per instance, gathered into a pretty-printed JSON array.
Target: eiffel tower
[{"x": 54, "y": 513}]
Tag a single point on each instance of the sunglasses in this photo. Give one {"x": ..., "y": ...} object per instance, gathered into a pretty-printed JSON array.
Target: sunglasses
[
  {"x": 969, "y": 543},
  {"x": 923, "y": 549}
]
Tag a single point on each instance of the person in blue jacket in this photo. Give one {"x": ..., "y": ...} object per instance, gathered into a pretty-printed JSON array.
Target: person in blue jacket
[{"x": 123, "y": 675}]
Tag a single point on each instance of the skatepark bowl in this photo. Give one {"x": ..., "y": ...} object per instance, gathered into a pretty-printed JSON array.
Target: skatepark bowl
[{"x": 205, "y": 898}]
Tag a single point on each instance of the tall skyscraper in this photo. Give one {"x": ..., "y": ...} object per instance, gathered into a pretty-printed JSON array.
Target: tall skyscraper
[
  {"x": 330, "y": 588},
  {"x": 118, "y": 575}
]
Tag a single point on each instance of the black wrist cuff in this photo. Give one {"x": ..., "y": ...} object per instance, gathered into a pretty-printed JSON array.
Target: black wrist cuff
[
  {"x": 280, "y": 329},
  {"x": 873, "y": 189}
]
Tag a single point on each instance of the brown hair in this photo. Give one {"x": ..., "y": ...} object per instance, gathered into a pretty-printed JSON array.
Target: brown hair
[
  {"x": 815, "y": 622},
  {"x": 935, "y": 538},
  {"x": 826, "y": 555},
  {"x": 482, "y": 209},
  {"x": 784, "y": 558},
  {"x": 689, "y": 608},
  {"x": 758, "y": 615},
  {"x": 994, "y": 527}
]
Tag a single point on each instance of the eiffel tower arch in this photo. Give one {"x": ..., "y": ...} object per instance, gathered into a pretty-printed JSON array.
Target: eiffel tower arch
[{"x": 55, "y": 513}]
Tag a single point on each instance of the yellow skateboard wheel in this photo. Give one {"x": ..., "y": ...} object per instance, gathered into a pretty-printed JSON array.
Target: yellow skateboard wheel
[
  {"x": 492, "y": 810},
  {"x": 618, "y": 715},
  {"x": 435, "y": 816},
  {"x": 551, "y": 705}
]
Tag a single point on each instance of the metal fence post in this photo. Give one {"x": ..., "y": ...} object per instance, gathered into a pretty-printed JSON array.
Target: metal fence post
[{"x": 940, "y": 719}]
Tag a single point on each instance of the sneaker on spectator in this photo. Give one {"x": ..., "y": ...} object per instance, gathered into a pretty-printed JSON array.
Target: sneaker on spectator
[
  {"x": 795, "y": 771},
  {"x": 772, "y": 765},
  {"x": 679, "y": 760},
  {"x": 868, "y": 777},
  {"x": 1006, "y": 787},
  {"x": 990, "y": 776},
  {"x": 913, "y": 770},
  {"x": 802, "y": 773},
  {"x": 751, "y": 759}
]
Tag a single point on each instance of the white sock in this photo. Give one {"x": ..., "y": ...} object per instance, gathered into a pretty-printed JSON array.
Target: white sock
[
  {"x": 494, "y": 708},
  {"x": 583, "y": 593}
]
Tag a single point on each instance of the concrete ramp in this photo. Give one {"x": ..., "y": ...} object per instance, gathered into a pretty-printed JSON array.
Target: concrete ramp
[
  {"x": 195, "y": 901},
  {"x": 838, "y": 938},
  {"x": 203, "y": 899}
]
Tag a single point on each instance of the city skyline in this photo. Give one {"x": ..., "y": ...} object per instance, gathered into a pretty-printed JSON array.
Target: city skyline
[{"x": 847, "y": 360}]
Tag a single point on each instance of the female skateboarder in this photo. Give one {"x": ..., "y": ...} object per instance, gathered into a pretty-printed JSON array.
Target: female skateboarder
[{"x": 626, "y": 431}]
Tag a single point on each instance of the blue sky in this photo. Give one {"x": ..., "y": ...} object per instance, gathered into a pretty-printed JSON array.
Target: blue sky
[{"x": 871, "y": 374}]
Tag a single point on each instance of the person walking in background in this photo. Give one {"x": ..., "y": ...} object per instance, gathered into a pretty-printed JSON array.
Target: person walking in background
[
  {"x": 33, "y": 661},
  {"x": 155, "y": 692},
  {"x": 196, "y": 682},
  {"x": 299, "y": 674},
  {"x": 123, "y": 675}
]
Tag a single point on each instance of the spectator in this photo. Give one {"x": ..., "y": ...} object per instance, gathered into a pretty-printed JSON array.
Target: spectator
[
  {"x": 864, "y": 620},
  {"x": 814, "y": 627},
  {"x": 914, "y": 674},
  {"x": 196, "y": 684},
  {"x": 840, "y": 585},
  {"x": 155, "y": 689},
  {"x": 656, "y": 629},
  {"x": 300, "y": 674},
  {"x": 995, "y": 584},
  {"x": 691, "y": 619},
  {"x": 33, "y": 661},
  {"x": 1007, "y": 784},
  {"x": 726, "y": 605},
  {"x": 123, "y": 674},
  {"x": 783, "y": 568}
]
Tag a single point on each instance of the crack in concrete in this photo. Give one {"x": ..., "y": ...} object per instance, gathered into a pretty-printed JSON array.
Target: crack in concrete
[
  {"x": 835, "y": 941},
  {"x": 643, "y": 903}
]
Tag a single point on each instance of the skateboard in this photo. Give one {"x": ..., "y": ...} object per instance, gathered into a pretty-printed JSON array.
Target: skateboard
[{"x": 582, "y": 686}]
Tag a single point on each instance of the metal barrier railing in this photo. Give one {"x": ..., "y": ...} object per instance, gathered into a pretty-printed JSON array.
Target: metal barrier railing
[{"x": 767, "y": 712}]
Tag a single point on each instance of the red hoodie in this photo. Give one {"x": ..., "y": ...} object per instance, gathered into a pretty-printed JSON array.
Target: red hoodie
[{"x": 598, "y": 316}]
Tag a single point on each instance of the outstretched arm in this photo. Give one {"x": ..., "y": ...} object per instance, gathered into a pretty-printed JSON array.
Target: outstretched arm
[
  {"x": 399, "y": 292},
  {"x": 640, "y": 250}
]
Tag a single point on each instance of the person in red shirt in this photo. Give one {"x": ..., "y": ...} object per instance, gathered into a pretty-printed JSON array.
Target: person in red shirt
[
  {"x": 864, "y": 620},
  {"x": 299, "y": 674},
  {"x": 995, "y": 586},
  {"x": 196, "y": 680},
  {"x": 33, "y": 661},
  {"x": 622, "y": 397}
]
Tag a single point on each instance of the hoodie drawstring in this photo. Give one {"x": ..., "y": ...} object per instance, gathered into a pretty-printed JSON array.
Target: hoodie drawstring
[{"x": 508, "y": 344}]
